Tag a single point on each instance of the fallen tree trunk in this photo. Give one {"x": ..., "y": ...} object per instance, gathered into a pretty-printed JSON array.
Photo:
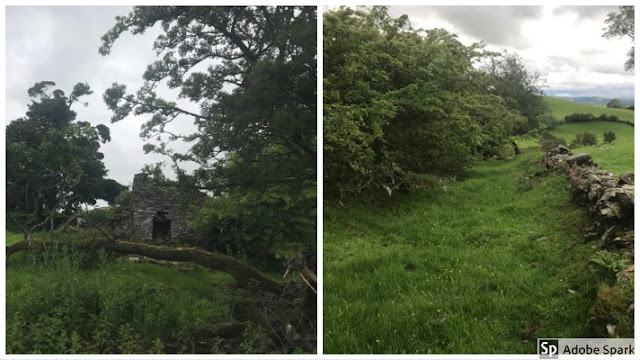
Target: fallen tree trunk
[{"x": 245, "y": 276}]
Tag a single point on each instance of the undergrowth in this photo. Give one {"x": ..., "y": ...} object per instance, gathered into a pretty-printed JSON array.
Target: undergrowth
[{"x": 62, "y": 300}]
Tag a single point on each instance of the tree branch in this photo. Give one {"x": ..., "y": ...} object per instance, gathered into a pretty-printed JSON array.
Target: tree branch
[{"x": 245, "y": 276}]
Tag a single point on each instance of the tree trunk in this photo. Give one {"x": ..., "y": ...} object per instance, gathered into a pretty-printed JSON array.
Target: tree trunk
[{"x": 245, "y": 276}]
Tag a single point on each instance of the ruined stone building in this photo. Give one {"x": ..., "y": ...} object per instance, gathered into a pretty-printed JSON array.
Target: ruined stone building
[{"x": 158, "y": 215}]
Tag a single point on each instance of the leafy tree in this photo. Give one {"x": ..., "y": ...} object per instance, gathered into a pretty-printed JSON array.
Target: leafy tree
[
  {"x": 53, "y": 162},
  {"x": 584, "y": 139},
  {"x": 614, "y": 103},
  {"x": 620, "y": 24},
  {"x": 509, "y": 79},
  {"x": 252, "y": 71},
  {"x": 609, "y": 136},
  {"x": 398, "y": 100},
  {"x": 549, "y": 141}
]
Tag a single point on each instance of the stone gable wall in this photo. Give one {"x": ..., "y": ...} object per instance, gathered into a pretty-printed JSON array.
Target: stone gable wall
[{"x": 151, "y": 205}]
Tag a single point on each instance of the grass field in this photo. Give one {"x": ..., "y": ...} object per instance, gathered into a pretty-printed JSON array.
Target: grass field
[
  {"x": 562, "y": 108},
  {"x": 62, "y": 300},
  {"x": 616, "y": 157},
  {"x": 483, "y": 265}
]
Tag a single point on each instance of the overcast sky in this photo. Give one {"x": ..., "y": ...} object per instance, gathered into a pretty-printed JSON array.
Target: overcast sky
[
  {"x": 61, "y": 44},
  {"x": 564, "y": 43}
]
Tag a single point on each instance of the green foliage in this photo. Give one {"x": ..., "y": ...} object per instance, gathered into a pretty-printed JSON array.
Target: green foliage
[
  {"x": 508, "y": 78},
  {"x": 399, "y": 100},
  {"x": 124, "y": 198},
  {"x": 548, "y": 141},
  {"x": 621, "y": 24},
  {"x": 614, "y": 103},
  {"x": 609, "y": 136},
  {"x": 53, "y": 161},
  {"x": 584, "y": 139},
  {"x": 256, "y": 138},
  {"x": 444, "y": 269},
  {"x": 241, "y": 224},
  {"x": 581, "y": 118},
  {"x": 606, "y": 264},
  {"x": 550, "y": 122}
]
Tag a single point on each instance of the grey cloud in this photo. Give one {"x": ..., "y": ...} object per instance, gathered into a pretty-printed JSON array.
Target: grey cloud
[
  {"x": 63, "y": 48},
  {"x": 497, "y": 25},
  {"x": 611, "y": 68},
  {"x": 586, "y": 11}
]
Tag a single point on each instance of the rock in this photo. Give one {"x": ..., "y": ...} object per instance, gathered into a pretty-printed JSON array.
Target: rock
[
  {"x": 561, "y": 149},
  {"x": 579, "y": 159},
  {"x": 626, "y": 275},
  {"x": 626, "y": 178},
  {"x": 611, "y": 329},
  {"x": 616, "y": 202},
  {"x": 623, "y": 242}
]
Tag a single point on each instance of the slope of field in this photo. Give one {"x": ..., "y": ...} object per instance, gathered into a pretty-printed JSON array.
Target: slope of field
[
  {"x": 616, "y": 157},
  {"x": 483, "y": 265},
  {"x": 562, "y": 108}
]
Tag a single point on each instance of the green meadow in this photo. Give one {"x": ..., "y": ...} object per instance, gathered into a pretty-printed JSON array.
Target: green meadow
[
  {"x": 485, "y": 263},
  {"x": 561, "y": 108},
  {"x": 616, "y": 157},
  {"x": 482, "y": 265}
]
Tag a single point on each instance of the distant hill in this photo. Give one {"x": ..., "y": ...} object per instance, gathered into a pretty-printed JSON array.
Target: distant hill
[
  {"x": 595, "y": 100},
  {"x": 561, "y": 108}
]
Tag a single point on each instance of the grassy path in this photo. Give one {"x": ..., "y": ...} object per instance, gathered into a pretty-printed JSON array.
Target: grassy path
[{"x": 483, "y": 265}]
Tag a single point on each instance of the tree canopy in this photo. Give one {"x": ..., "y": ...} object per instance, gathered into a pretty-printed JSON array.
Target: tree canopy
[
  {"x": 620, "y": 24},
  {"x": 53, "y": 161},
  {"x": 252, "y": 72},
  {"x": 400, "y": 100}
]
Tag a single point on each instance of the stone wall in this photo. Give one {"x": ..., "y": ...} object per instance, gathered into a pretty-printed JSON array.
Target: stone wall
[
  {"x": 158, "y": 215},
  {"x": 609, "y": 201},
  {"x": 607, "y": 198}
]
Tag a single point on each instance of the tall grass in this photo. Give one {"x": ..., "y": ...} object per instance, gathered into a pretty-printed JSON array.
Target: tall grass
[
  {"x": 61, "y": 300},
  {"x": 483, "y": 265}
]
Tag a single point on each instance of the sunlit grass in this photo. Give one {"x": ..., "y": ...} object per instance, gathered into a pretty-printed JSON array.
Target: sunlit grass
[{"x": 561, "y": 108}]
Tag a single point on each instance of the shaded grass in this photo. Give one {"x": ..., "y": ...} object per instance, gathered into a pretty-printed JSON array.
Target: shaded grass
[
  {"x": 482, "y": 265},
  {"x": 562, "y": 108}
]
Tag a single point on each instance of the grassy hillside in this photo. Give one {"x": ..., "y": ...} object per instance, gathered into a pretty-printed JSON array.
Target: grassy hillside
[
  {"x": 616, "y": 157},
  {"x": 562, "y": 108},
  {"x": 483, "y": 265}
]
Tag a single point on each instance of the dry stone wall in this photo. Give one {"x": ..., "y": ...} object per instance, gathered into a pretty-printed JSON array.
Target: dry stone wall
[{"x": 609, "y": 200}]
